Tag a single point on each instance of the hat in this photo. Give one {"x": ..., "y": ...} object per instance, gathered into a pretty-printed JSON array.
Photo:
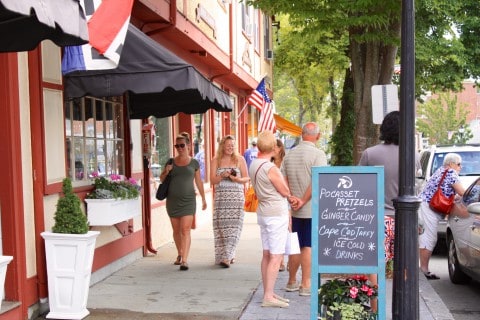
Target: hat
[{"x": 254, "y": 141}]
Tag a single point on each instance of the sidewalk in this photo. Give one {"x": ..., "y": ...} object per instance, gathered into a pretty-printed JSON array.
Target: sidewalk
[{"x": 154, "y": 288}]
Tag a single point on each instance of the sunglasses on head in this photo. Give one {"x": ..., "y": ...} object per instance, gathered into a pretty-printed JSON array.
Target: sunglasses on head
[{"x": 180, "y": 145}]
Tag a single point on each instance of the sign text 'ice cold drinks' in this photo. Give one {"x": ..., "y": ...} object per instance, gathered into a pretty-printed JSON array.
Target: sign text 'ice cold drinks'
[{"x": 348, "y": 219}]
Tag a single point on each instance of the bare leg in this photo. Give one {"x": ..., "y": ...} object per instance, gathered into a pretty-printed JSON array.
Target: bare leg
[
  {"x": 270, "y": 265},
  {"x": 185, "y": 228},
  {"x": 425, "y": 255},
  {"x": 306, "y": 263},
  {"x": 177, "y": 237},
  {"x": 293, "y": 264}
]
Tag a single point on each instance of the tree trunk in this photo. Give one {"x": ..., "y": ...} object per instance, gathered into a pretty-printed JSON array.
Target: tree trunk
[{"x": 372, "y": 64}]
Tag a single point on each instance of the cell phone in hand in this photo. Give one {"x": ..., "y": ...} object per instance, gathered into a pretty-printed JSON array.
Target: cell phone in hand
[{"x": 233, "y": 172}]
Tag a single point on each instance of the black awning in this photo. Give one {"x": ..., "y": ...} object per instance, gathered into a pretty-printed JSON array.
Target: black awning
[
  {"x": 24, "y": 23},
  {"x": 157, "y": 82}
]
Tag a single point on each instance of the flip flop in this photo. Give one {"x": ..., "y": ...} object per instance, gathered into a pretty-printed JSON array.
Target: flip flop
[{"x": 431, "y": 276}]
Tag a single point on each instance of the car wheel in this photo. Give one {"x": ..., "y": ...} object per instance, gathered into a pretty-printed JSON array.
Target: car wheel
[{"x": 456, "y": 275}]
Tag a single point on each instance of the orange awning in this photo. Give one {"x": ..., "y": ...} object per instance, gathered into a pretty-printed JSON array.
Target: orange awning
[{"x": 286, "y": 126}]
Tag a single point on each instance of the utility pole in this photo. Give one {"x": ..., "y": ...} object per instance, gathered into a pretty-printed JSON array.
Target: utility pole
[{"x": 405, "y": 277}]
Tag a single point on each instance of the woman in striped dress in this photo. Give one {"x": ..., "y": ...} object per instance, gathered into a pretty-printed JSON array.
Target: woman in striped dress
[{"x": 228, "y": 175}]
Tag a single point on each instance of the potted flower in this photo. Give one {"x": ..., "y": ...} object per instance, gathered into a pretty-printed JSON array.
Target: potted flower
[
  {"x": 113, "y": 200},
  {"x": 347, "y": 298},
  {"x": 69, "y": 250}
]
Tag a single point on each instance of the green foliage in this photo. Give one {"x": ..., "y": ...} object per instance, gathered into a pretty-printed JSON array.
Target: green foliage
[
  {"x": 440, "y": 115},
  {"x": 349, "y": 311},
  {"x": 69, "y": 217},
  {"x": 367, "y": 33},
  {"x": 114, "y": 189},
  {"x": 342, "y": 139}
]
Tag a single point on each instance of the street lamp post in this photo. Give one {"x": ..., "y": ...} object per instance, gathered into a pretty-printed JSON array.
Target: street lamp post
[{"x": 405, "y": 279}]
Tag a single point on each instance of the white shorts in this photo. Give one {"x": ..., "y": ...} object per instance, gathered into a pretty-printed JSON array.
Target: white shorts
[
  {"x": 273, "y": 232},
  {"x": 428, "y": 239}
]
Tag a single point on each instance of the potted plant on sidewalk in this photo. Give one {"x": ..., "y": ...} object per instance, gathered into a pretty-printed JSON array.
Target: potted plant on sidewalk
[
  {"x": 113, "y": 200},
  {"x": 69, "y": 250},
  {"x": 347, "y": 299}
]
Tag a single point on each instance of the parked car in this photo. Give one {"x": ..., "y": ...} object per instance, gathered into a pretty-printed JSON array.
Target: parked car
[
  {"x": 432, "y": 158},
  {"x": 463, "y": 237}
]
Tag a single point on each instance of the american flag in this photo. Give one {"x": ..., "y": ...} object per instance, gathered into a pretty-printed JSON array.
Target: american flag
[
  {"x": 108, "y": 22},
  {"x": 260, "y": 100}
]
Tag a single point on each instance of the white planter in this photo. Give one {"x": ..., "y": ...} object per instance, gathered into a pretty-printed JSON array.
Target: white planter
[
  {"x": 69, "y": 266},
  {"x": 4, "y": 261},
  {"x": 107, "y": 212}
]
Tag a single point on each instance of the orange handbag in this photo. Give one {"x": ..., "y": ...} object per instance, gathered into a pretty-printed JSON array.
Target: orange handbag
[{"x": 251, "y": 201}]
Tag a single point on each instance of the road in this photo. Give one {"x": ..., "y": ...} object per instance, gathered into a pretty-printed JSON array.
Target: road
[{"x": 463, "y": 301}]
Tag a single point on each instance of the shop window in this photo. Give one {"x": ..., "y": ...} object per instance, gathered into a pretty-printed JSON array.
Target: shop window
[
  {"x": 161, "y": 149},
  {"x": 94, "y": 132}
]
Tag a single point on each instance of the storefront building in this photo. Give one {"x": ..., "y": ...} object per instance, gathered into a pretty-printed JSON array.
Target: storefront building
[{"x": 185, "y": 66}]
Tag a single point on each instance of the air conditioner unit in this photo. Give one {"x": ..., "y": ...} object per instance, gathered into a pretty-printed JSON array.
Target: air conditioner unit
[{"x": 269, "y": 55}]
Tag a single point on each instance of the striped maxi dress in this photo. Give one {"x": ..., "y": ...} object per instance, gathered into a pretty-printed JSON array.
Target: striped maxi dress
[{"x": 228, "y": 216}]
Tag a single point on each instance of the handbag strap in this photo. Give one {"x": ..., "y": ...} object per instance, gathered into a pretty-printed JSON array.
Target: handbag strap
[
  {"x": 255, "y": 178},
  {"x": 441, "y": 180}
]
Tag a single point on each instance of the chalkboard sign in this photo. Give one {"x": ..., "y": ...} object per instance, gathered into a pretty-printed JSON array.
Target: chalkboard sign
[
  {"x": 347, "y": 219},
  {"x": 348, "y": 227}
]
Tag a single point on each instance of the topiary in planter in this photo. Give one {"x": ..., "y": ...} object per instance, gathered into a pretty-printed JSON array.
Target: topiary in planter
[{"x": 69, "y": 217}]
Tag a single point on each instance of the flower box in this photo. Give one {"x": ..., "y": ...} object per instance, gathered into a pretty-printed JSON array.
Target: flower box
[{"x": 107, "y": 212}]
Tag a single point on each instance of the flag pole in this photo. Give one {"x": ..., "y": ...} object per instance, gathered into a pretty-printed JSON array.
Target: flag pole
[{"x": 241, "y": 111}]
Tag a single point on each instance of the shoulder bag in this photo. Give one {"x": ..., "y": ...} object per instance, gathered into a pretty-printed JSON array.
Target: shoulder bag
[
  {"x": 439, "y": 202},
  {"x": 162, "y": 190},
  {"x": 251, "y": 200}
]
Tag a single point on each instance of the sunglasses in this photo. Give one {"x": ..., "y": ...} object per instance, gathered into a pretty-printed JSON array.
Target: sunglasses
[
  {"x": 459, "y": 164},
  {"x": 181, "y": 145}
]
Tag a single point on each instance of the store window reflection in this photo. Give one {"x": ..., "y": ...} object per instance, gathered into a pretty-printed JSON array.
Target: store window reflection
[{"x": 94, "y": 134}]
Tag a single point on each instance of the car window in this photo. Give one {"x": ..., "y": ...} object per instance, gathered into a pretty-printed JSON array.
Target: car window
[
  {"x": 470, "y": 162},
  {"x": 472, "y": 194},
  {"x": 424, "y": 162}
]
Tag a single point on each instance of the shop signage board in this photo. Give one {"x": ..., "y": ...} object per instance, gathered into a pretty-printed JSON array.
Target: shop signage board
[{"x": 347, "y": 226}]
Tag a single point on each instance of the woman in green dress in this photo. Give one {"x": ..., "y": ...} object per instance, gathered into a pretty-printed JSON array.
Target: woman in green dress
[{"x": 181, "y": 198}]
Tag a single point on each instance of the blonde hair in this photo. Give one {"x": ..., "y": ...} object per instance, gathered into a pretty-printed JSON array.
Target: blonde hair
[
  {"x": 266, "y": 142},
  {"x": 185, "y": 136},
  {"x": 220, "y": 151},
  {"x": 277, "y": 160}
]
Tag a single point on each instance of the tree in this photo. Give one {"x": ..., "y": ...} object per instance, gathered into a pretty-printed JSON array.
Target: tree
[
  {"x": 373, "y": 31},
  {"x": 305, "y": 65},
  {"x": 439, "y": 116}
]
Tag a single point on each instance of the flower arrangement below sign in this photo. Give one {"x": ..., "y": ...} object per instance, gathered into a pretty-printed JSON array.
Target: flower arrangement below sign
[
  {"x": 113, "y": 200},
  {"x": 341, "y": 297}
]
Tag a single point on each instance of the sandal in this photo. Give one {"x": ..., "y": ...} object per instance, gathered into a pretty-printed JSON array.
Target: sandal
[
  {"x": 232, "y": 261},
  {"x": 225, "y": 264},
  {"x": 431, "y": 276},
  {"x": 178, "y": 261},
  {"x": 184, "y": 266}
]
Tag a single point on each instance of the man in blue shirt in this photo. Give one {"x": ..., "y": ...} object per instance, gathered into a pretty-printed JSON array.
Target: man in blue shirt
[
  {"x": 200, "y": 157},
  {"x": 251, "y": 153}
]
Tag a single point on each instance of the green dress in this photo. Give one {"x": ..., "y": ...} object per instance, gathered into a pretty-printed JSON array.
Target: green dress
[{"x": 181, "y": 199}]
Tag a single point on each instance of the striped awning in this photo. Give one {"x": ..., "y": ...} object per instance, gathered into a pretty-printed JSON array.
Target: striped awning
[{"x": 25, "y": 23}]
